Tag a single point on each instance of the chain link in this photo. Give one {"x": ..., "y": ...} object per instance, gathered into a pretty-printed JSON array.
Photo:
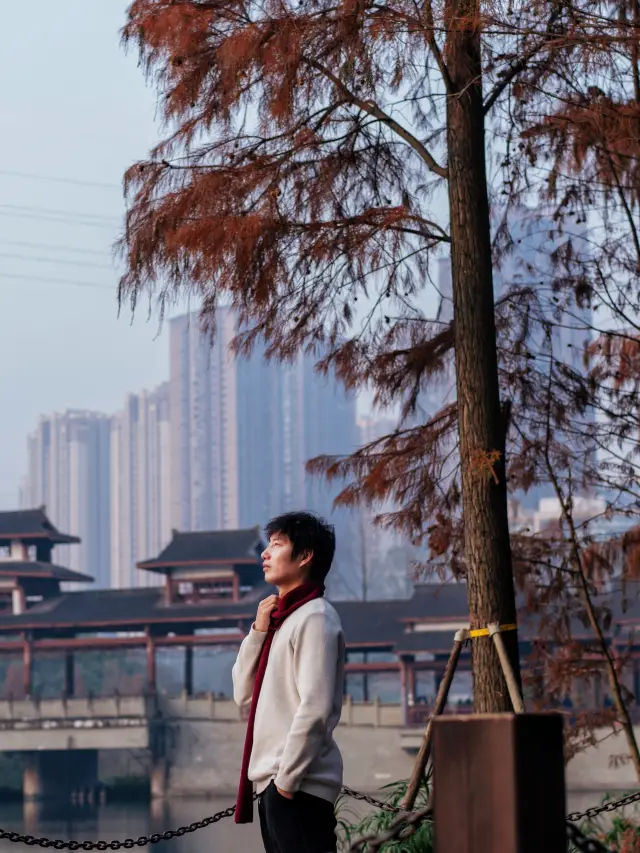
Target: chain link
[
  {"x": 406, "y": 824},
  {"x": 377, "y": 804},
  {"x": 583, "y": 843},
  {"x": 127, "y": 844},
  {"x": 594, "y": 811},
  {"x": 168, "y": 835}
]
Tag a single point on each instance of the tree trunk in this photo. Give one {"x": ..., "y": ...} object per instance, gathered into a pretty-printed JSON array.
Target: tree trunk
[{"x": 487, "y": 550}]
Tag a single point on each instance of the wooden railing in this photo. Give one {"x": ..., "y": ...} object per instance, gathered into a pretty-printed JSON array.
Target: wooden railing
[{"x": 418, "y": 715}]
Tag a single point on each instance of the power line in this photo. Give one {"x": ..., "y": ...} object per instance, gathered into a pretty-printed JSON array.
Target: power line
[
  {"x": 58, "y": 219},
  {"x": 25, "y": 244},
  {"x": 55, "y": 212},
  {"x": 50, "y": 281},
  {"x": 59, "y": 180},
  {"x": 37, "y": 259}
]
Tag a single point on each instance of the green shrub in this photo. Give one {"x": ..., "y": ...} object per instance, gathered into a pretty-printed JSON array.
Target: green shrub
[
  {"x": 352, "y": 826},
  {"x": 619, "y": 833}
]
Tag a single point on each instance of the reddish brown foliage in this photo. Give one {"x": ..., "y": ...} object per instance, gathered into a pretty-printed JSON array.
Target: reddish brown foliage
[{"x": 301, "y": 180}]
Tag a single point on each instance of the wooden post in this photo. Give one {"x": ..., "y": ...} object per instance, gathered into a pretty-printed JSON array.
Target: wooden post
[
  {"x": 441, "y": 700},
  {"x": 188, "y": 670},
  {"x": 69, "y": 675},
  {"x": 499, "y": 784},
  {"x": 507, "y": 669},
  {"x": 27, "y": 660},
  {"x": 151, "y": 664},
  {"x": 236, "y": 587},
  {"x": 404, "y": 700}
]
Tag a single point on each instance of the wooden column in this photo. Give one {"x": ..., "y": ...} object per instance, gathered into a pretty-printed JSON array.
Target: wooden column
[
  {"x": 151, "y": 664},
  {"x": 69, "y": 674},
  {"x": 27, "y": 660},
  {"x": 188, "y": 670},
  {"x": 499, "y": 784},
  {"x": 411, "y": 680},
  {"x": 406, "y": 662}
]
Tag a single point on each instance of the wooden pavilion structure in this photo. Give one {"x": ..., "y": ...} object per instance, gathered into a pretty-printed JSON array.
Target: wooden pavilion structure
[{"x": 211, "y": 583}]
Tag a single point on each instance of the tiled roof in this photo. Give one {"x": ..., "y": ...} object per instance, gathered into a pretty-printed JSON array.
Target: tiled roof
[
  {"x": 434, "y": 642},
  {"x": 226, "y": 546},
  {"x": 35, "y": 569},
  {"x": 365, "y": 622},
  {"x": 437, "y": 601},
  {"x": 126, "y": 609},
  {"x": 31, "y": 523}
]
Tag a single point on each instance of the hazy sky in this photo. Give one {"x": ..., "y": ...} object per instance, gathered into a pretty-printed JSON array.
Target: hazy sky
[
  {"x": 75, "y": 112},
  {"x": 74, "y": 107}
]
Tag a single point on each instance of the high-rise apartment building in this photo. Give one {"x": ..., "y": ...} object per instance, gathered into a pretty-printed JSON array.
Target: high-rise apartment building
[
  {"x": 243, "y": 429},
  {"x": 530, "y": 263},
  {"x": 140, "y": 485},
  {"x": 68, "y": 473},
  {"x": 204, "y": 431}
]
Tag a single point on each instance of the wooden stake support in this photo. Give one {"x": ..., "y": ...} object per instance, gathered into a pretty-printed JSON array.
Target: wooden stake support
[
  {"x": 441, "y": 700},
  {"x": 499, "y": 784},
  {"x": 512, "y": 684}
]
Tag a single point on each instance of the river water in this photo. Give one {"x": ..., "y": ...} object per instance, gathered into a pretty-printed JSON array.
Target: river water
[{"x": 114, "y": 821}]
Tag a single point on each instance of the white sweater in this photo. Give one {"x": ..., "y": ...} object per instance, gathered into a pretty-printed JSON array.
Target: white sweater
[{"x": 300, "y": 702}]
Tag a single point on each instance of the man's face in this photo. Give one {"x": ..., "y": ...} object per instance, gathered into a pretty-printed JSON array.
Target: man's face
[{"x": 280, "y": 568}]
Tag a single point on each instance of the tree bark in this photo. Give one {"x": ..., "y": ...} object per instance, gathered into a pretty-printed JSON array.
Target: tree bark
[{"x": 487, "y": 550}]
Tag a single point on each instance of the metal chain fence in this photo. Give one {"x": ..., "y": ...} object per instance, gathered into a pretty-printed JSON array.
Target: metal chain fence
[
  {"x": 406, "y": 824},
  {"x": 594, "y": 811},
  {"x": 168, "y": 835}
]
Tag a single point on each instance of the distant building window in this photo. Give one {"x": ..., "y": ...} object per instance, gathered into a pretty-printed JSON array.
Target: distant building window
[{"x": 202, "y": 592}]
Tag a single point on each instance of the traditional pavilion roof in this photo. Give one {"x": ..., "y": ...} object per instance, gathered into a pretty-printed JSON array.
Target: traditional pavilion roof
[
  {"x": 38, "y": 570},
  {"x": 368, "y": 625},
  {"x": 208, "y": 548},
  {"x": 371, "y": 624},
  {"x": 31, "y": 524}
]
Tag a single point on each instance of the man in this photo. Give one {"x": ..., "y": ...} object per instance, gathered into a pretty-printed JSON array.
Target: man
[{"x": 290, "y": 672}]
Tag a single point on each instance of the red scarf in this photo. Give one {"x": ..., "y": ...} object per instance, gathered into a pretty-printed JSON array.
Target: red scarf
[{"x": 286, "y": 606}]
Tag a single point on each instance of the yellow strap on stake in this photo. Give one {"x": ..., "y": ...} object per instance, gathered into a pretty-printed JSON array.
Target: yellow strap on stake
[{"x": 484, "y": 632}]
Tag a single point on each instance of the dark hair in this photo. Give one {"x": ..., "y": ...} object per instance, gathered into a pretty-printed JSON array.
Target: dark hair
[{"x": 307, "y": 532}]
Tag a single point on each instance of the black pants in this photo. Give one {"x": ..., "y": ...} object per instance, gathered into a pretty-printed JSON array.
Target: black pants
[{"x": 305, "y": 824}]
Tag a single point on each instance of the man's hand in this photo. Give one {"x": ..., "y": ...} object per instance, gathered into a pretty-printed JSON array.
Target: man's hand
[
  {"x": 263, "y": 615},
  {"x": 286, "y": 794}
]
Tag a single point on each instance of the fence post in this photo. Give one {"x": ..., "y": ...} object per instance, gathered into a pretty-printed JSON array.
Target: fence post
[{"x": 499, "y": 784}]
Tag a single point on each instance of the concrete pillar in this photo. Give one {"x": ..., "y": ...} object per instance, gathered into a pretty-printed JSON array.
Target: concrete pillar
[
  {"x": 31, "y": 815},
  {"x": 158, "y": 779},
  {"x": 32, "y": 779},
  {"x": 57, "y": 774}
]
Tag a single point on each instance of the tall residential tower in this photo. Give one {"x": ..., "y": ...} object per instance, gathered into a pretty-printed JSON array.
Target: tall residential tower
[{"x": 68, "y": 473}]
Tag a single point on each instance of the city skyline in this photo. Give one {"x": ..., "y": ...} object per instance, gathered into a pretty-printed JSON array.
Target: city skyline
[{"x": 221, "y": 444}]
